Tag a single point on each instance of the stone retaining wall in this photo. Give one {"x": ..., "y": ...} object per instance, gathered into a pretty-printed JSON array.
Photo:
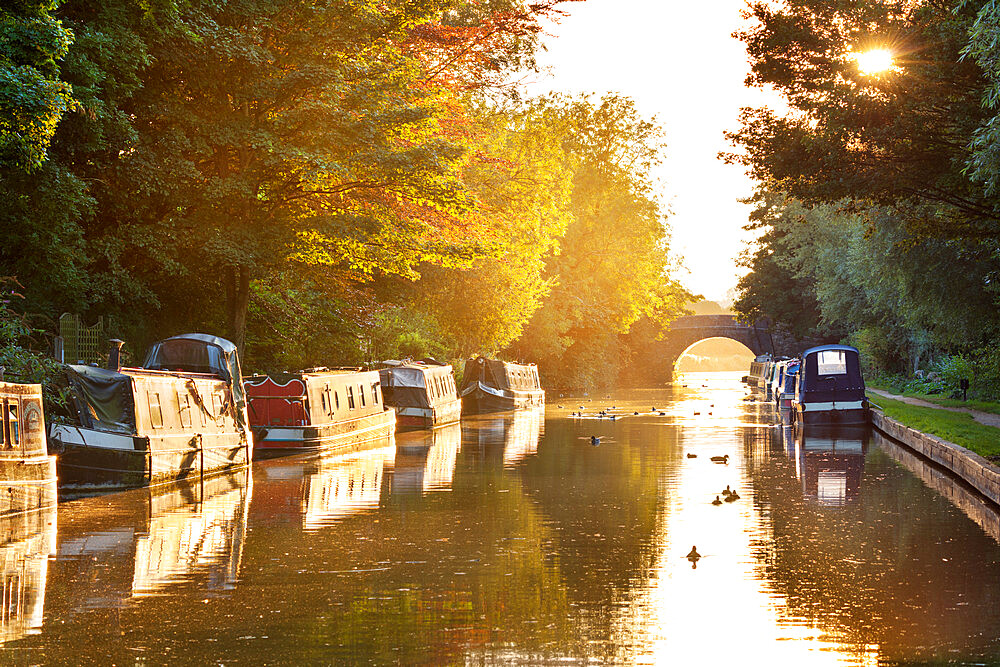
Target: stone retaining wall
[{"x": 973, "y": 468}]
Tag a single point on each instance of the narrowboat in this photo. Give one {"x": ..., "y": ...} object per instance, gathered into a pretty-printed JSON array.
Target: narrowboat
[
  {"x": 27, "y": 472},
  {"x": 423, "y": 394},
  {"x": 318, "y": 409},
  {"x": 756, "y": 370},
  {"x": 784, "y": 390},
  {"x": 182, "y": 414},
  {"x": 492, "y": 385},
  {"x": 829, "y": 388}
]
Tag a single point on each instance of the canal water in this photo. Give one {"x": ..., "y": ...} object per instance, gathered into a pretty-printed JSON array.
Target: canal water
[{"x": 513, "y": 539}]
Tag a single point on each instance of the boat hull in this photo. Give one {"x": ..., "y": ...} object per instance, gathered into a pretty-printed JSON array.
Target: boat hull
[
  {"x": 27, "y": 484},
  {"x": 847, "y": 413},
  {"x": 410, "y": 418},
  {"x": 479, "y": 401},
  {"x": 367, "y": 431},
  {"x": 117, "y": 460}
]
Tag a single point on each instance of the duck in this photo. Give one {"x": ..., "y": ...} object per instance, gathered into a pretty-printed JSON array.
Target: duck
[
  {"x": 717, "y": 501},
  {"x": 595, "y": 440},
  {"x": 732, "y": 497},
  {"x": 693, "y": 554},
  {"x": 663, "y": 414},
  {"x": 726, "y": 491},
  {"x": 559, "y": 406},
  {"x": 692, "y": 456},
  {"x": 721, "y": 459},
  {"x": 635, "y": 413},
  {"x": 696, "y": 413},
  {"x": 654, "y": 409}
]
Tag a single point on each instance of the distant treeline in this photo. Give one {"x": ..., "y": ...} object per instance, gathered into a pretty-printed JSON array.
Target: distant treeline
[
  {"x": 879, "y": 209},
  {"x": 324, "y": 183}
]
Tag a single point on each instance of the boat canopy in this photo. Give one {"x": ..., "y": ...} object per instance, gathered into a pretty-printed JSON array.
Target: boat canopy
[
  {"x": 198, "y": 353},
  {"x": 416, "y": 384},
  {"x": 103, "y": 398},
  {"x": 830, "y": 373}
]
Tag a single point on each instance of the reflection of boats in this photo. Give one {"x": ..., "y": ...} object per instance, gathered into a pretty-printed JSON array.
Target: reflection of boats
[
  {"x": 138, "y": 543},
  {"x": 518, "y": 433},
  {"x": 197, "y": 527},
  {"x": 27, "y": 472},
  {"x": 423, "y": 394},
  {"x": 27, "y": 539},
  {"x": 328, "y": 410},
  {"x": 181, "y": 414},
  {"x": 427, "y": 463},
  {"x": 830, "y": 462},
  {"x": 325, "y": 489},
  {"x": 830, "y": 389},
  {"x": 491, "y": 385}
]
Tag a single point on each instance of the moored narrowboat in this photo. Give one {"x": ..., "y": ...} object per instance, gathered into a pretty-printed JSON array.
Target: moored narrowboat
[
  {"x": 756, "y": 371},
  {"x": 27, "y": 472},
  {"x": 423, "y": 394},
  {"x": 830, "y": 388},
  {"x": 182, "y": 414},
  {"x": 784, "y": 391},
  {"x": 492, "y": 385},
  {"x": 318, "y": 409}
]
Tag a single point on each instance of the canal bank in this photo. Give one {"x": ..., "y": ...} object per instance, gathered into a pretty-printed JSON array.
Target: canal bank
[{"x": 966, "y": 464}]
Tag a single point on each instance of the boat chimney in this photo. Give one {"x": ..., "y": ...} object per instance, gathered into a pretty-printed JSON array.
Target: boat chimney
[{"x": 115, "y": 354}]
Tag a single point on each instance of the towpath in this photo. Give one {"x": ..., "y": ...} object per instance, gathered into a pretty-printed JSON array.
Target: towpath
[{"x": 986, "y": 418}]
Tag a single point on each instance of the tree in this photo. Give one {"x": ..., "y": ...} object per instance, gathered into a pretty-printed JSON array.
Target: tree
[{"x": 33, "y": 98}]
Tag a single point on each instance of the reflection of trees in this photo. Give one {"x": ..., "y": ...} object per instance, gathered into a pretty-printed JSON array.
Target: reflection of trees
[
  {"x": 899, "y": 568},
  {"x": 602, "y": 517},
  {"x": 26, "y": 541}
]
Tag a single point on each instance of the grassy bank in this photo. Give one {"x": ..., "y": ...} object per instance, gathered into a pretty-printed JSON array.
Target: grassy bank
[
  {"x": 940, "y": 399},
  {"x": 956, "y": 427}
]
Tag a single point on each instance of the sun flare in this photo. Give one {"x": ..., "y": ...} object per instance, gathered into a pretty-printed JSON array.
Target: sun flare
[{"x": 875, "y": 61}]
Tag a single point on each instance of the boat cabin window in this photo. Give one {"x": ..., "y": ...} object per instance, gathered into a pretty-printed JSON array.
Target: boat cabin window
[
  {"x": 350, "y": 398},
  {"x": 336, "y": 399},
  {"x": 831, "y": 362},
  {"x": 184, "y": 407},
  {"x": 375, "y": 393},
  {"x": 13, "y": 427},
  {"x": 361, "y": 393},
  {"x": 324, "y": 398},
  {"x": 155, "y": 413}
]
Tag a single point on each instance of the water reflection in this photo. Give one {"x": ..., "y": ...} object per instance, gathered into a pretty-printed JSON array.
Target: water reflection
[
  {"x": 194, "y": 528},
  {"x": 425, "y": 460},
  {"x": 164, "y": 536},
  {"x": 829, "y": 462},
  {"x": 549, "y": 550},
  {"x": 326, "y": 489},
  {"x": 26, "y": 542}
]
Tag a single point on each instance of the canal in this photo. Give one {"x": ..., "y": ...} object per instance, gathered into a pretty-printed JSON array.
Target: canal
[{"x": 514, "y": 539}]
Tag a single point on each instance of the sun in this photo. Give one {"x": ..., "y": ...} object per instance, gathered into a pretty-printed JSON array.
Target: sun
[{"x": 874, "y": 61}]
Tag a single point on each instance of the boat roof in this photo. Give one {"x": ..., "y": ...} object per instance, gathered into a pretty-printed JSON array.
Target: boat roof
[
  {"x": 208, "y": 339},
  {"x": 820, "y": 348}
]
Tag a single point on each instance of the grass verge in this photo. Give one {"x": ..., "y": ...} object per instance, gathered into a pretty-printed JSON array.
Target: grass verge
[
  {"x": 957, "y": 427},
  {"x": 939, "y": 399}
]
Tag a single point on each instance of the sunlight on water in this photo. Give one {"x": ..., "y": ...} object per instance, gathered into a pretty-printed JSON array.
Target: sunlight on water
[{"x": 531, "y": 538}]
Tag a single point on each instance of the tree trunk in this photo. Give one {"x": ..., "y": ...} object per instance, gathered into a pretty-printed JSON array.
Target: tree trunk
[{"x": 237, "y": 303}]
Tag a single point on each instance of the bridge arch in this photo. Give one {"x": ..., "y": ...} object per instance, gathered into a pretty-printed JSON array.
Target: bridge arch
[
  {"x": 717, "y": 353},
  {"x": 687, "y": 331}
]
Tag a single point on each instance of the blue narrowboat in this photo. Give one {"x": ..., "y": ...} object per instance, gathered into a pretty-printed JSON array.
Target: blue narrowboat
[
  {"x": 830, "y": 389},
  {"x": 784, "y": 390}
]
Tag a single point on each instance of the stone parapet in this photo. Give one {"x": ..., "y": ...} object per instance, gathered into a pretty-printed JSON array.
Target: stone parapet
[{"x": 971, "y": 467}]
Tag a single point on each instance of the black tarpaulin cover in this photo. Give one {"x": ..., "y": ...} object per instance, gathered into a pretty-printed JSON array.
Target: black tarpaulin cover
[
  {"x": 404, "y": 386},
  {"x": 104, "y": 398}
]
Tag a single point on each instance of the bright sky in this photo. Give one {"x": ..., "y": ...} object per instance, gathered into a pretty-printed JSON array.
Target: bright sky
[{"x": 678, "y": 61}]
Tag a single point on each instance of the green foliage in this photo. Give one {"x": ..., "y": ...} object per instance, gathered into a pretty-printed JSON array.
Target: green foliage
[{"x": 33, "y": 98}]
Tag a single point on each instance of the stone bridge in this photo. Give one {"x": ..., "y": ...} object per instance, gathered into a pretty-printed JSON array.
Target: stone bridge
[{"x": 686, "y": 331}]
